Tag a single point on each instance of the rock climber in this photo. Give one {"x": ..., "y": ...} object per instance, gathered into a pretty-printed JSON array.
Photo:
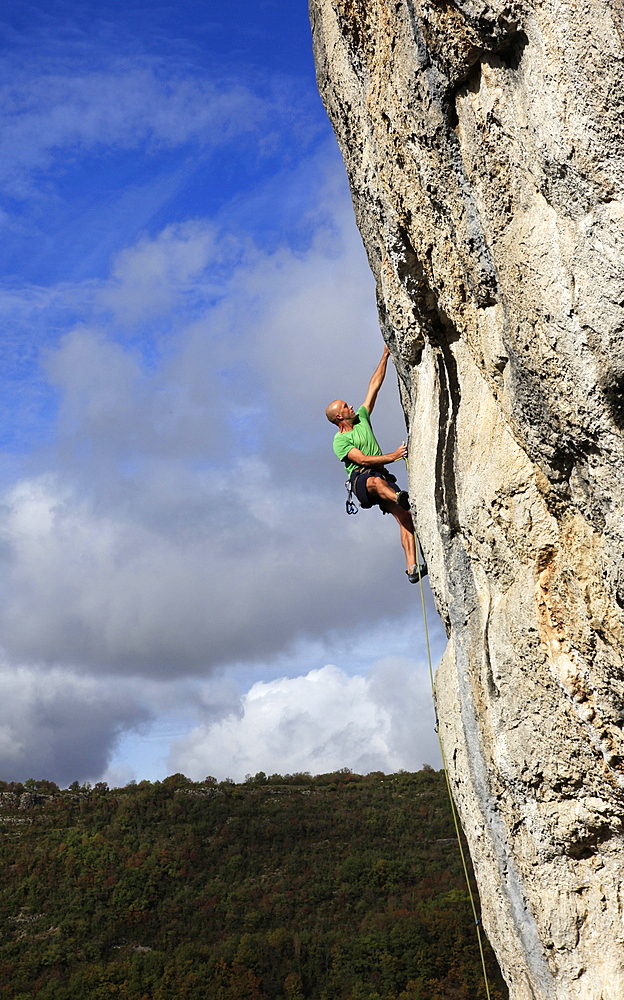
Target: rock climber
[{"x": 355, "y": 444}]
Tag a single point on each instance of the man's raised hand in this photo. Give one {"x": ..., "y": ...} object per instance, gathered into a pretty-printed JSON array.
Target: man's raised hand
[{"x": 401, "y": 452}]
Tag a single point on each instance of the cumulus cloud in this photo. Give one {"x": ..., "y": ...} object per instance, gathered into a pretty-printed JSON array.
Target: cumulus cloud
[{"x": 319, "y": 722}]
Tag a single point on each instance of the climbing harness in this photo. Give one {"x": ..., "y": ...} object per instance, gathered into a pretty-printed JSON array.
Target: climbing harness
[
  {"x": 477, "y": 918},
  {"x": 352, "y": 492}
]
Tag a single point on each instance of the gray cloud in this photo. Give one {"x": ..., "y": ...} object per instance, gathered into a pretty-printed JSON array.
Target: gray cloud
[
  {"x": 61, "y": 726},
  {"x": 242, "y": 581}
]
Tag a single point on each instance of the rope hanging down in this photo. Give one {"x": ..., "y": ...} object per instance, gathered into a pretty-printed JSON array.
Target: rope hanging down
[{"x": 477, "y": 918}]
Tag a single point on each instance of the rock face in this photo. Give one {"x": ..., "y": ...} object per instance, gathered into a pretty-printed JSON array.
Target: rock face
[{"x": 484, "y": 144}]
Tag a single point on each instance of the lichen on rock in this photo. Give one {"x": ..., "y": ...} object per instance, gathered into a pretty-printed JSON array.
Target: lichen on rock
[{"x": 484, "y": 145}]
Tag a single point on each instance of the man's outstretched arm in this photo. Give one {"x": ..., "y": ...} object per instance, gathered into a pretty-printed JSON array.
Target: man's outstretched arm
[{"x": 376, "y": 381}]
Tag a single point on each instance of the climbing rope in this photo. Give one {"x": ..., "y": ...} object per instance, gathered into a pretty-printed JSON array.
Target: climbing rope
[{"x": 477, "y": 918}]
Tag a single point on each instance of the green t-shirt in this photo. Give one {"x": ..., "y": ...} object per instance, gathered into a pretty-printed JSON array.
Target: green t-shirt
[{"x": 360, "y": 436}]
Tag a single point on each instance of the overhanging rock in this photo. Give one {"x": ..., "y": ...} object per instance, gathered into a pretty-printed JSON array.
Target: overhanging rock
[{"x": 484, "y": 145}]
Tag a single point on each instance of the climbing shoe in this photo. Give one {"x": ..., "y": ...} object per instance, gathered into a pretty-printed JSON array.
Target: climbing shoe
[
  {"x": 416, "y": 573},
  {"x": 402, "y": 499}
]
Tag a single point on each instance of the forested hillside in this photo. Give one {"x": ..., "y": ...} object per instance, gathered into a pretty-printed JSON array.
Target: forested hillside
[{"x": 337, "y": 887}]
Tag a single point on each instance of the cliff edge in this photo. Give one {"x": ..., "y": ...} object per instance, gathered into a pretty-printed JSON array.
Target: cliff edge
[{"x": 484, "y": 144}]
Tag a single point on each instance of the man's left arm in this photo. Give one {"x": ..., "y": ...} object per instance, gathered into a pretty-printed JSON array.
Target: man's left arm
[{"x": 376, "y": 381}]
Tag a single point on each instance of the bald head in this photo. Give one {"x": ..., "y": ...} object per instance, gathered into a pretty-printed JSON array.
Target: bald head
[
  {"x": 333, "y": 410},
  {"x": 341, "y": 414}
]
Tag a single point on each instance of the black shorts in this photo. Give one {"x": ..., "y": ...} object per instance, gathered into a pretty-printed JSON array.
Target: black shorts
[{"x": 359, "y": 478}]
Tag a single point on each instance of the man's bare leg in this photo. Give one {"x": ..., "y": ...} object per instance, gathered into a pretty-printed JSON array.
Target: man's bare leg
[
  {"x": 380, "y": 488},
  {"x": 407, "y": 533}
]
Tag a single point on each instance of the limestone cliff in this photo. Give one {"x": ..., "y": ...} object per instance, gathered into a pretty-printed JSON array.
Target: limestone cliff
[{"x": 484, "y": 147}]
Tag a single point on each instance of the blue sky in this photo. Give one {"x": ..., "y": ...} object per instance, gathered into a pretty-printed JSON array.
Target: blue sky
[{"x": 183, "y": 291}]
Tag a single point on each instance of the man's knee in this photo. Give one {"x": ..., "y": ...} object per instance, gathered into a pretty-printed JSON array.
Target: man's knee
[{"x": 373, "y": 483}]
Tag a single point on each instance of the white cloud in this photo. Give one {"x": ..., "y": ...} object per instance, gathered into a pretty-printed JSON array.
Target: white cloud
[
  {"x": 54, "y": 117},
  {"x": 151, "y": 277},
  {"x": 318, "y": 723}
]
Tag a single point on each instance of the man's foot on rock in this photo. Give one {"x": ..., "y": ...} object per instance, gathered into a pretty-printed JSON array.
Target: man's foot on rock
[
  {"x": 402, "y": 499},
  {"x": 416, "y": 573}
]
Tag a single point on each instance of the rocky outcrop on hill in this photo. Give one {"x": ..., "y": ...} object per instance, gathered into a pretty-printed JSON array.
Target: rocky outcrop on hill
[{"x": 484, "y": 148}]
